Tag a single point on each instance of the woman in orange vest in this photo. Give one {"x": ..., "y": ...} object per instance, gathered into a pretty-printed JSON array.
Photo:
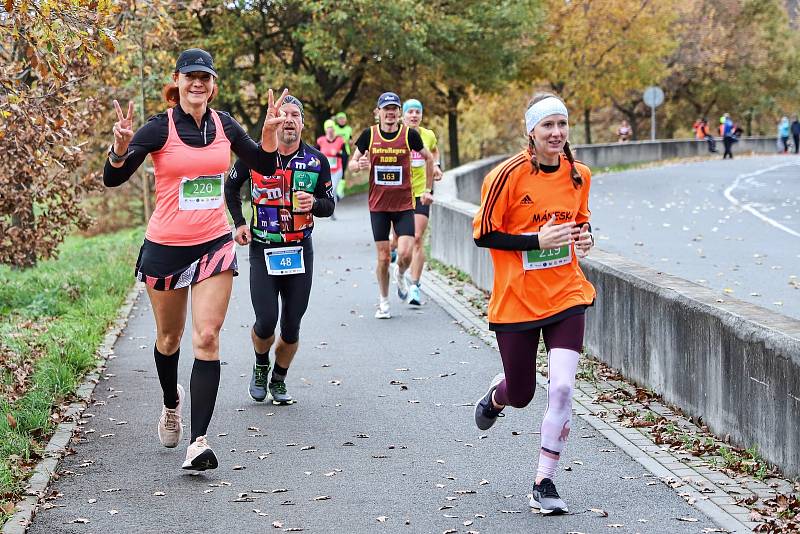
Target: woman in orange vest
[{"x": 534, "y": 218}]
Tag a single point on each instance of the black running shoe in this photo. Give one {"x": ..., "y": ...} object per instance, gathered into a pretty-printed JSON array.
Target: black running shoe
[
  {"x": 545, "y": 499},
  {"x": 485, "y": 412}
]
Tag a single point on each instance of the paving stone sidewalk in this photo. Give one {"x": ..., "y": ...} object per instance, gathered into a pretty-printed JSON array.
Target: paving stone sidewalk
[{"x": 380, "y": 440}]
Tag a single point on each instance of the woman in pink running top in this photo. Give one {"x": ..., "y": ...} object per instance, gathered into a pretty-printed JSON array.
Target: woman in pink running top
[
  {"x": 333, "y": 147},
  {"x": 188, "y": 240}
]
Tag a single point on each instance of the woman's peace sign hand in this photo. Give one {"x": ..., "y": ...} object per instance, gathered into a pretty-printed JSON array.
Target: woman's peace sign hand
[
  {"x": 273, "y": 119},
  {"x": 123, "y": 129}
]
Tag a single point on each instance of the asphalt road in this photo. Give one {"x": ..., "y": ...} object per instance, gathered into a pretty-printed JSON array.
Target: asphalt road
[
  {"x": 357, "y": 452},
  {"x": 730, "y": 225}
]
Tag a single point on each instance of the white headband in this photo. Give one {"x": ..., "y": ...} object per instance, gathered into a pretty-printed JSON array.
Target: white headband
[{"x": 544, "y": 108}]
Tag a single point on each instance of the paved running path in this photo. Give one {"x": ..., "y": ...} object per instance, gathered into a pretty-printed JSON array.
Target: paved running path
[
  {"x": 732, "y": 225},
  {"x": 407, "y": 454}
]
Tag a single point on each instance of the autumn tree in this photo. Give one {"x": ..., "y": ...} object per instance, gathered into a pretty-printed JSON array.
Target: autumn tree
[
  {"x": 597, "y": 52},
  {"x": 48, "y": 48},
  {"x": 476, "y": 46},
  {"x": 322, "y": 50},
  {"x": 740, "y": 56}
]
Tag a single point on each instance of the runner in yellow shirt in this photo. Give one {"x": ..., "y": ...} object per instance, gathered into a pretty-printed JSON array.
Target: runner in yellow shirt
[{"x": 412, "y": 116}]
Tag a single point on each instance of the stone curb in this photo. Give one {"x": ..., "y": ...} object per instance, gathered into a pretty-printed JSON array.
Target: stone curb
[
  {"x": 658, "y": 462},
  {"x": 57, "y": 446}
]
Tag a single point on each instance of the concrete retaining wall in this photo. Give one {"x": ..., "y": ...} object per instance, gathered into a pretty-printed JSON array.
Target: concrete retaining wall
[
  {"x": 734, "y": 364},
  {"x": 608, "y": 155}
]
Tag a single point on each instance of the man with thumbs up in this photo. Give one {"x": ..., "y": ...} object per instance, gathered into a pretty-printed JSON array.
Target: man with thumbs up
[{"x": 385, "y": 151}]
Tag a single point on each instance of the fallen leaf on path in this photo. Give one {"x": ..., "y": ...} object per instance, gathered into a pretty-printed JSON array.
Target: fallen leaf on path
[
  {"x": 322, "y": 498},
  {"x": 277, "y": 524},
  {"x": 382, "y": 518},
  {"x": 600, "y": 512},
  {"x": 113, "y": 512},
  {"x": 159, "y": 494},
  {"x": 81, "y": 520},
  {"x": 687, "y": 519},
  {"x": 280, "y": 490}
]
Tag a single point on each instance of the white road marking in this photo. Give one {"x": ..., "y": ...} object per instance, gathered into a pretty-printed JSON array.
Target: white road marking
[{"x": 749, "y": 207}]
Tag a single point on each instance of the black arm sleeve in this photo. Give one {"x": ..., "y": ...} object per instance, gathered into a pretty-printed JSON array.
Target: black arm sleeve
[
  {"x": 238, "y": 175},
  {"x": 504, "y": 241},
  {"x": 248, "y": 150},
  {"x": 415, "y": 141},
  {"x": 362, "y": 144},
  {"x": 151, "y": 137},
  {"x": 323, "y": 194}
]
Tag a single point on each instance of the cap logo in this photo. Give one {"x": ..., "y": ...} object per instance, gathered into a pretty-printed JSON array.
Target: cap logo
[{"x": 200, "y": 61}]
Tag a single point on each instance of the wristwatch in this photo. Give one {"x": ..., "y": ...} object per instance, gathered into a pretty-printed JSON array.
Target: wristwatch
[{"x": 113, "y": 157}]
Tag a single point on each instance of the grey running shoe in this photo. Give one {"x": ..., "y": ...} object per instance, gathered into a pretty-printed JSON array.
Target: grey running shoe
[
  {"x": 199, "y": 456},
  {"x": 277, "y": 390},
  {"x": 545, "y": 499},
  {"x": 258, "y": 382},
  {"x": 170, "y": 429},
  {"x": 414, "y": 297},
  {"x": 485, "y": 412}
]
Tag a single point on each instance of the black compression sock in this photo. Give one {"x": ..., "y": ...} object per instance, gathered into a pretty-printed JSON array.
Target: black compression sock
[
  {"x": 167, "y": 368},
  {"x": 203, "y": 386},
  {"x": 279, "y": 373},
  {"x": 262, "y": 359}
]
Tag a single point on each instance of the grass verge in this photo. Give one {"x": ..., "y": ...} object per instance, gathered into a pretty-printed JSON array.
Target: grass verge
[{"x": 52, "y": 319}]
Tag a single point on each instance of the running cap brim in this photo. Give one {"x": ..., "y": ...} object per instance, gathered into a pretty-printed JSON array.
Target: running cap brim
[
  {"x": 389, "y": 99},
  {"x": 195, "y": 60}
]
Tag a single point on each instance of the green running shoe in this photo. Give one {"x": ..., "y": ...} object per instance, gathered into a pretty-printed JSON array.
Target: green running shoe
[{"x": 258, "y": 382}]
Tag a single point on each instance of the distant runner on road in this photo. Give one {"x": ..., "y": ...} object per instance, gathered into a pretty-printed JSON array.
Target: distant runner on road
[
  {"x": 188, "y": 240},
  {"x": 385, "y": 150},
  {"x": 333, "y": 147},
  {"x": 534, "y": 218},
  {"x": 345, "y": 131},
  {"x": 284, "y": 204}
]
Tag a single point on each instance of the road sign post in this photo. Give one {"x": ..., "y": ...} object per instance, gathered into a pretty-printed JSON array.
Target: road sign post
[{"x": 653, "y": 97}]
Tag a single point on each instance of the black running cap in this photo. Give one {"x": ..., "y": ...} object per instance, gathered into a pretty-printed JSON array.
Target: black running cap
[{"x": 195, "y": 60}]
